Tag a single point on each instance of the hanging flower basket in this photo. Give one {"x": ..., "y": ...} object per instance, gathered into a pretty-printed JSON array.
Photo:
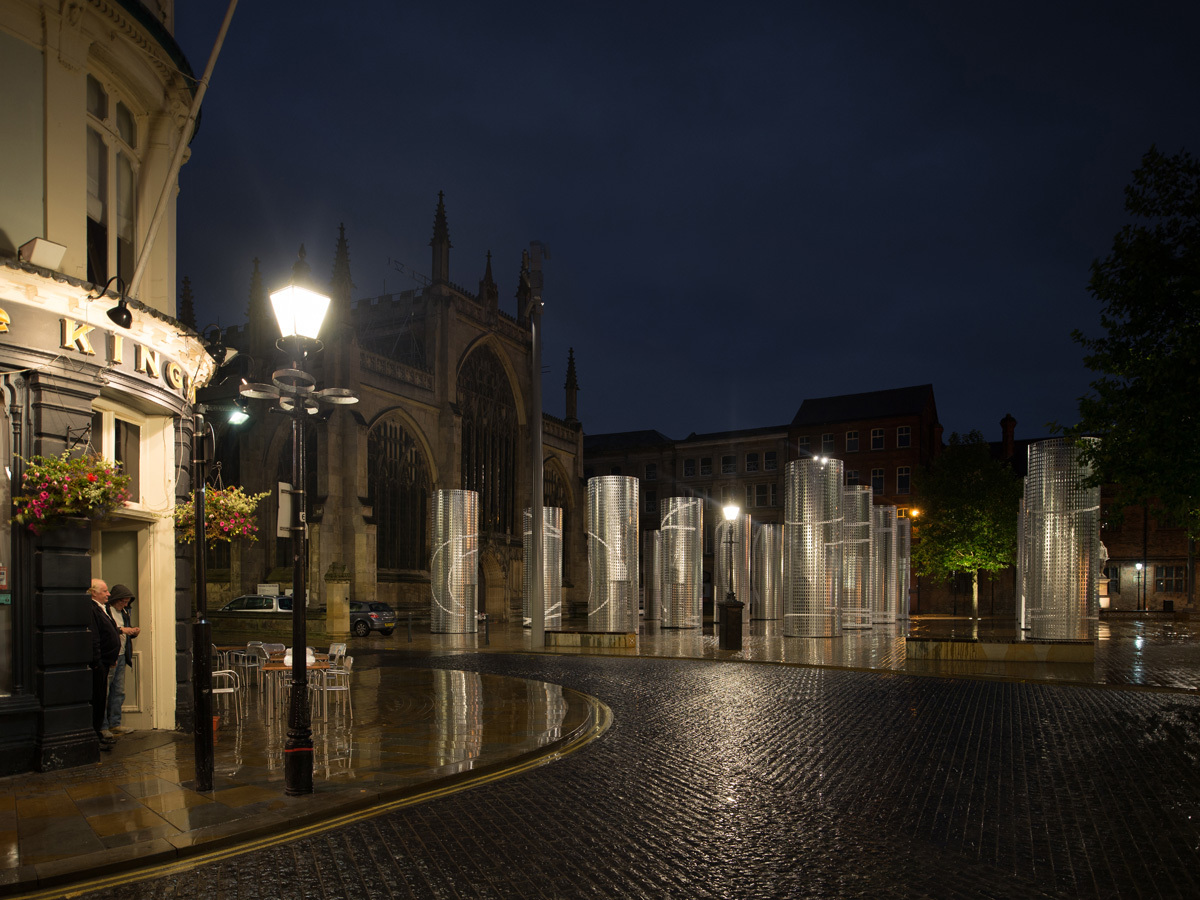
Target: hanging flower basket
[
  {"x": 58, "y": 488},
  {"x": 228, "y": 513}
]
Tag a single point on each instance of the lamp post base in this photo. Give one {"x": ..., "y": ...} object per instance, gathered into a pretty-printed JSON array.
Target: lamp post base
[
  {"x": 729, "y": 632},
  {"x": 298, "y": 747}
]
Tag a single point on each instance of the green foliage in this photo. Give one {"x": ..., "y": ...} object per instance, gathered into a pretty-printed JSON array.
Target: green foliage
[
  {"x": 57, "y": 488},
  {"x": 228, "y": 513},
  {"x": 969, "y": 508},
  {"x": 1146, "y": 403}
]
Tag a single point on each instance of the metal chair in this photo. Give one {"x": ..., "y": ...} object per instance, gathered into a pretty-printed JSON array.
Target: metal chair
[
  {"x": 250, "y": 661},
  {"x": 226, "y": 682},
  {"x": 334, "y": 681},
  {"x": 336, "y": 653}
]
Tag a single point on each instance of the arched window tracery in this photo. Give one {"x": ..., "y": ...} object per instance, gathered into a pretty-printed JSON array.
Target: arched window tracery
[
  {"x": 489, "y": 441},
  {"x": 398, "y": 490}
]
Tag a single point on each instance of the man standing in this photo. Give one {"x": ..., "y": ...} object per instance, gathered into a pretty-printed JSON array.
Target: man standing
[
  {"x": 106, "y": 646},
  {"x": 118, "y": 608}
]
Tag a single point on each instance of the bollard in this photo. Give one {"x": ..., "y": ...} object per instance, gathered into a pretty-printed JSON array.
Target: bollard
[
  {"x": 729, "y": 632},
  {"x": 410, "y": 628}
]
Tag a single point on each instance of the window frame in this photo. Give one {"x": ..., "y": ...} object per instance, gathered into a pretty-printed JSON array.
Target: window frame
[
  {"x": 752, "y": 462},
  {"x": 118, "y": 182},
  {"x": 878, "y": 441},
  {"x": 851, "y": 441},
  {"x": 878, "y": 490},
  {"x": 904, "y": 479},
  {"x": 705, "y": 466},
  {"x": 903, "y": 437},
  {"x": 729, "y": 464}
]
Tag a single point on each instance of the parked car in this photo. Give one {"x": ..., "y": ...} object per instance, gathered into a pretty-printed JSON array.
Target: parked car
[
  {"x": 258, "y": 603},
  {"x": 370, "y": 615}
]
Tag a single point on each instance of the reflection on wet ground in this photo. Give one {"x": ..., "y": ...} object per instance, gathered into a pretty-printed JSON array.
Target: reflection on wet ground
[{"x": 405, "y": 730}]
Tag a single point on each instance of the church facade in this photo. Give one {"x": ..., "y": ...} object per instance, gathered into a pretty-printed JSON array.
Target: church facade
[{"x": 443, "y": 376}]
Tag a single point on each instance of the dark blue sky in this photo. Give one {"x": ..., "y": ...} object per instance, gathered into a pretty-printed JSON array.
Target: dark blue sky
[{"x": 745, "y": 206}]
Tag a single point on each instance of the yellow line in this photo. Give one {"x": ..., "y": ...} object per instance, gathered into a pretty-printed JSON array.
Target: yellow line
[{"x": 601, "y": 717}]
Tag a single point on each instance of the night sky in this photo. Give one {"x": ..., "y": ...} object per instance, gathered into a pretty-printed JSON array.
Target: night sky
[{"x": 745, "y": 205}]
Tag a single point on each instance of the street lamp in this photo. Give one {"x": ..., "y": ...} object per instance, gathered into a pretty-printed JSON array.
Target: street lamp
[
  {"x": 1139, "y": 587},
  {"x": 730, "y": 636},
  {"x": 300, "y": 312}
]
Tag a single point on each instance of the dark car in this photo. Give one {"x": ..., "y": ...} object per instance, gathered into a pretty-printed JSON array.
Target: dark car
[{"x": 370, "y": 615}]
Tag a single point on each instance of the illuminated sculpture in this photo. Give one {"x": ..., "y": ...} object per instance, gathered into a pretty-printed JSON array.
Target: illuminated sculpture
[
  {"x": 1062, "y": 543},
  {"x": 612, "y": 534},
  {"x": 681, "y": 562},
  {"x": 551, "y": 565},
  {"x": 856, "y": 560},
  {"x": 767, "y": 575},
  {"x": 651, "y": 575},
  {"x": 736, "y": 554},
  {"x": 903, "y": 565},
  {"x": 813, "y": 545},
  {"x": 884, "y": 574},
  {"x": 454, "y": 562}
]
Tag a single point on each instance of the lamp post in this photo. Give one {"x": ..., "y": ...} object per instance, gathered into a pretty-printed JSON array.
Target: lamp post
[
  {"x": 1139, "y": 586},
  {"x": 300, "y": 313},
  {"x": 730, "y": 636},
  {"x": 202, "y": 630}
]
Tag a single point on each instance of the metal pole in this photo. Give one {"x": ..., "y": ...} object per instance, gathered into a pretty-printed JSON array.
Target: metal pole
[
  {"x": 537, "y": 580},
  {"x": 202, "y": 629},
  {"x": 298, "y": 748}
]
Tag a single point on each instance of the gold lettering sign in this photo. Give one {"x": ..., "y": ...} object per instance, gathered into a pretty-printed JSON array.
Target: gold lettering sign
[
  {"x": 147, "y": 361},
  {"x": 118, "y": 355},
  {"x": 74, "y": 335},
  {"x": 5, "y": 321},
  {"x": 174, "y": 375}
]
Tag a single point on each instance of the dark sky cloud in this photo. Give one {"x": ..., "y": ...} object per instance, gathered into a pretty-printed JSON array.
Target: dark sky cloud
[{"x": 744, "y": 207}]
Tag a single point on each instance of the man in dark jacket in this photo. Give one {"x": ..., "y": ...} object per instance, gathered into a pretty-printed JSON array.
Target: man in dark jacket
[{"x": 106, "y": 647}]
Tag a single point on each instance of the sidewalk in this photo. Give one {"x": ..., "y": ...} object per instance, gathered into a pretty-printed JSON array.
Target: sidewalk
[{"x": 417, "y": 733}]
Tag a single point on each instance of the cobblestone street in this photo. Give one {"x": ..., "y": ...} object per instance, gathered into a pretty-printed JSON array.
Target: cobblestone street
[{"x": 743, "y": 780}]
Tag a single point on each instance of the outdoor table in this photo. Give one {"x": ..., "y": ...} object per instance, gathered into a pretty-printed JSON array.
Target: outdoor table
[{"x": 273, "y": 675}]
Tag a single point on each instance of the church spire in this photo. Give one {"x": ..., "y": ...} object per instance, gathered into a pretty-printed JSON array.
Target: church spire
[
  {"x": 572, "y": 387},
  {"x": 301, "y": 270},
  {"x": 489, "y": 292},
  {"x": 341, "y": 286},
  {"x": 187, "y": 305},
  {"x": 441, "y": 243},
  {"x": 523, "y": 290}
]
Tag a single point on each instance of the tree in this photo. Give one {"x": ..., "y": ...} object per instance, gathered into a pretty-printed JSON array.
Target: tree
[
  {"x": 1145, "y": 406},
  {"x": 970, "y": 505}
]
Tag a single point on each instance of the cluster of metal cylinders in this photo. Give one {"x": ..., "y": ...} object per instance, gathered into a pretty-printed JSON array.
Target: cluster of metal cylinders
[{"x": 1059, "y": 553}]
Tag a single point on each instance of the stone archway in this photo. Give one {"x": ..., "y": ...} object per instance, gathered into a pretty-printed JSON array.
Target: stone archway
[{"x": 493, "y": 596}]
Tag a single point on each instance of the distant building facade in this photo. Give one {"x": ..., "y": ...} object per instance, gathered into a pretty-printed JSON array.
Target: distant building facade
[{"x": 443, "y": 376}]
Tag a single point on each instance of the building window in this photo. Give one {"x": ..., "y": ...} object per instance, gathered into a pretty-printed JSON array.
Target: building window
[
  {"x": 802, "y": 444},
  {"x": 903, "y": 512},
  {"x": 770, "y": 461},
  {"x": 751, "y": 462},
  {"x": 651, "y": 503},
  {"x": 1113, "y": 574},
  {"x": 489, "y": 441},
  {"x": 760, "y": 494},
  {"x": 689, "y": 468},
  {"x": 398, "y": 491},
  {"x": 877, "y": 481},
  {"x": 652, "y": 471},
  {"x": 876, "y": 438},
  {"x": 706, "y": 465},
  {"x": 728, "y": 465},
  {"x": 749, "y": 496},
  {"x": 112, "y": 142},
  {"x": 827, "y": 443},
  {"x": 851, "y": 441},
  {"x": 851, "y": 476},
  {"x": 904, "y": 436},
  {"x": 904, "y": 480},
  {"x": 774, "y": 495},
  {"x": 1170, "y": 579},
  {"x": 115, "y": 437}
]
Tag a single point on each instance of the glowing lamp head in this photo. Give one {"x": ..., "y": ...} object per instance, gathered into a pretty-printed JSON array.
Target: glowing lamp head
[
  {"x": 1138, "y": 566},
  {"x": 914, "y": 513},
  {"x": 731, "y": 512},
  {"x": 299, "y": 311}
]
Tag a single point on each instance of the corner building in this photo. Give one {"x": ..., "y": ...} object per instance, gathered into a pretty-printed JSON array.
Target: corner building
[{"x": 93, "y": 101}]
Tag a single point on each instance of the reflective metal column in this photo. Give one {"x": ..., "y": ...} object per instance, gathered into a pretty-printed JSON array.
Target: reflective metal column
[
  {"x": 682, "y": 561},
  {"x": 813, "y": 544},
  {"x": 651, "y": 575},
  {"x": 551, "y": 562},
  {"x": 856, "y": 560},
  {"x": 903, "y": 565},
  {"x": 767, "y": 576},
  {"x": 884, "y": 598},
  {"x": 454, "y": 563},
  {"x": 612, "y": 525}
]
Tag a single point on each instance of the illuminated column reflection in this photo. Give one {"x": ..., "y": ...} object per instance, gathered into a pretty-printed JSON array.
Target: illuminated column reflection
[{"x": 454, "y": 562}]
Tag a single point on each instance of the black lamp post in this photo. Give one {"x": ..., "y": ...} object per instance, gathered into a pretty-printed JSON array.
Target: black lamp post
[
  {"x": 300, "y": 312},
  {"x": 730, "y": 636},
  {"x": 202, "y": 630}
]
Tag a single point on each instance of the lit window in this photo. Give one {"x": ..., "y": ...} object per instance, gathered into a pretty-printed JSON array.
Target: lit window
[
  {"x": 728, "y": 465},
  {"x": 852, "y": 476},
  {"x": 827, "y": 443},
  {"x": 851, "y": 441},
  {"x": 760, "y": 495},
  {"x": 903, "y": 480},
  {"x": 1170, "y": 579},
  {"x": 770, "y": 461},
  {"x": 751, "y": 462},
  {"x": 877, "y": 481},
  {"x": 706, "y": 465},
  {"x": 112, "y": 166},
  {"x": 689, "y": 468},
  {"x": 904, "y": 436},
  {"x": 652, "y": 471},
  {"x": 876, "y": 438}
]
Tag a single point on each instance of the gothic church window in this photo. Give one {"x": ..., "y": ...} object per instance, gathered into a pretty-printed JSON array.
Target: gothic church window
[
  {"x": 398, "y": 491},
  {"x": 489, "y": 441}
]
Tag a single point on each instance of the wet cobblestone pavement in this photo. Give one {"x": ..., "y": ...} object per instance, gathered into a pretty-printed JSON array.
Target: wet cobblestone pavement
[{"x": 728, "y": 780}]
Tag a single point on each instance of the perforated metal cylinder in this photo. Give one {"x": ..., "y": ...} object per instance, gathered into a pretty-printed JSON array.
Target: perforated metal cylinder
[
  {"x": 457, "y": 716},
  {"x": 552, "y": 566},
  {"x": 1023, "y": 560},
  {"x": 454, "y": 562},
  {"x": 740, "y": 532},
  {"x": 681, "y": 572},
  {"x": 1063, "y": 544},
  {"x": 884, "y": 597},
  {"x": 651, "y": 569},
  {"x": 612, "y": 524},
  {"x": 813, "y": 545},
  {"x": 903, "y": 565},
  {"x": 856, "y": 559},
  {"x": 767, "y": 575}
]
